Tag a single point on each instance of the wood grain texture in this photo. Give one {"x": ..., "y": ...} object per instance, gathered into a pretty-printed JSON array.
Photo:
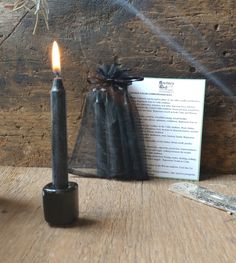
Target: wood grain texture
[
  {"x": 91, "y": 32},
  {"x": 118, "y": 222}
]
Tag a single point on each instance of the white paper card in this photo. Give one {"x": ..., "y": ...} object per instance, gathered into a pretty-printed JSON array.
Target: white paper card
[{"x": 171, "y": 118}]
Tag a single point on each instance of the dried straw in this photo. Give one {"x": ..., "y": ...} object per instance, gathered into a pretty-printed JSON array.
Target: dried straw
[{"x": 40, "y": 6}]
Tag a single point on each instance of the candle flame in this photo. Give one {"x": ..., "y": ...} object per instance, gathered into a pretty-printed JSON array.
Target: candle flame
[{"x": 56, "y": 63}]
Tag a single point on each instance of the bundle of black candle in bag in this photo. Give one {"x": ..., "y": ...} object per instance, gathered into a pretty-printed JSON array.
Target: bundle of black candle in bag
[{"x": 109, "y": 143}]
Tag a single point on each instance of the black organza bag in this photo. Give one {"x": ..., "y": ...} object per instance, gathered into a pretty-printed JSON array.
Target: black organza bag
[{"x": 109, "y": 144}]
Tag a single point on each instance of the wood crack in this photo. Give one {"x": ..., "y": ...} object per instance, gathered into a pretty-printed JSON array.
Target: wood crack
[{"x": 15, "y": 27}]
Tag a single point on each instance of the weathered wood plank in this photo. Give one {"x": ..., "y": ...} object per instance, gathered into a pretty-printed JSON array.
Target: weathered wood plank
[
  {"x": 119, "y": 222},
  {"x": 90, "y": 32}
]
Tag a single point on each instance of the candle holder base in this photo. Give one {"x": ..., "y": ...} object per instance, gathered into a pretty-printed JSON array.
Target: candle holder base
[{"x": 60, "y": 205}]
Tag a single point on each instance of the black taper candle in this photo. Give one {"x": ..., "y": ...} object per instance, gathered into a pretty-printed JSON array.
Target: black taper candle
[
  {"x": 133, "y": 142},
  {"x": 114, "y": 146},
  {"x": 100, "y": 133},
  {"x": 60, "y": 198},
  {"x": 59, "y": 135}
]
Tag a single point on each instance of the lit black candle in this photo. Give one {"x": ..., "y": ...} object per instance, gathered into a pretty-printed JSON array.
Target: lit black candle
[
  {"x": 60, "y": 198},
  {"x": 59, "y": 134}
]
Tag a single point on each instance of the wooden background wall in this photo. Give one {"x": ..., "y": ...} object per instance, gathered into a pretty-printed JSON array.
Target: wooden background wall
[{"x": 90, "y": 32}]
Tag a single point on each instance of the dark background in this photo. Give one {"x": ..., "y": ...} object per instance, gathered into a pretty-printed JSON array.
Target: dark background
[{"x": 181, "y": 39}]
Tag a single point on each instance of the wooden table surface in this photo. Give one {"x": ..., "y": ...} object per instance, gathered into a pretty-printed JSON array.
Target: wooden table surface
[{"x": 118, "y": 222}]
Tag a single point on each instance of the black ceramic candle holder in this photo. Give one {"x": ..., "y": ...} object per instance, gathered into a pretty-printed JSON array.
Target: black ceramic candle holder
[{"x": 60, "y": 205}]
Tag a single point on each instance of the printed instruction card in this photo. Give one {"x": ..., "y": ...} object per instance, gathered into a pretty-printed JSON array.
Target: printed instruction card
[{"x": 171, "y": 117}]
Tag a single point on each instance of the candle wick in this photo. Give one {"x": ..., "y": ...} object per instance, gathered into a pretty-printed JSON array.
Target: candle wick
[{"x": 57, "y": 74}]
